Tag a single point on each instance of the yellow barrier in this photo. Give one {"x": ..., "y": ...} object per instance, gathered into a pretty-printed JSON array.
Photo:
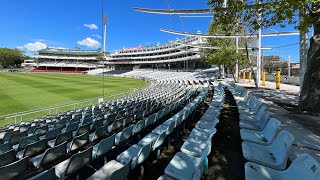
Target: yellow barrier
[
  {"x": 263, "y": 78},
  {"x": 250, "y": 76},
  {"x": 278, "y": 80},
  {"x": 243, "y": 75}
]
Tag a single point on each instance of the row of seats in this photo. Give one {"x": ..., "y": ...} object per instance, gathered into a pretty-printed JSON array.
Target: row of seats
[
  {"x": 265, "y": 146},
  {"x": 34, "y": 148},
  {"x": 192, "y": 161}
]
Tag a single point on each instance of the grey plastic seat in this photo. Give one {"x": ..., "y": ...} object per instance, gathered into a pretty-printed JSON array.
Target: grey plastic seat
[
  {"x": 257, "y": 124},
  {"x": 51, "y": 134},
  {"x": 264, "y": 137},
  {"x": 78, "y": 142},
  {"x": 33, "y": 149},
  {"x": 115, "y": 125},
  {"x": 136, "y": 154},
  {"x": 203, "y": 134},
  {"x": 274, "y": 156},
  {"x": 5, "y": 147},
  {"x": 181, "y": 167},
  {"x": 81, "y": 130},
  {"x": 45, "y": 175},
  {"x": 42, "y": 130},
  {"x": 7, "y": 157},
  {"x": 71, "y": 127},
  {"x": 122, "y": 136},
  {"x": 62, "y": 137},
  {"x": 25, "y": 141},
  {"x": 73, "y": 164},
  {"x": 113, "y": 170},
  {"x": 139, "y": 126},
  {"x": 15, "y": 138},
  {"x": 50, "y": 155},
  {"x": 15, "y": 169},
  {"x": 103, "y": 147},
  {"x": 303, "y": 167},
  {"x": 150, "y": 120}
]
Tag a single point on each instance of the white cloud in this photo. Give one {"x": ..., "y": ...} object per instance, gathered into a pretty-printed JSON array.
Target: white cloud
[
  {"x": 20, "y": 47},
  {"x": 97, "y": 36},
  {"x": 35, "y": 46},
  {"x": 91, "y": 26},
  {"x": 89, "y": 42}
]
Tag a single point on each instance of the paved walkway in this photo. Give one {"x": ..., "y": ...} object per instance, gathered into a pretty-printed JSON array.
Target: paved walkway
[{"x": 283, "y": 106}]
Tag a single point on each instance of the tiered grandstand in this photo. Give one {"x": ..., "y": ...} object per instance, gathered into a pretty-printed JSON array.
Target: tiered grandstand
[
  {"x": 66, "y": 60},
  {"x": 178, "y": 54}
]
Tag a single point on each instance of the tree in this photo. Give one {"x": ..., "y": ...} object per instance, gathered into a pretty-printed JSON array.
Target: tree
[
  {"x": 11, "y": 57},
  {"x": 267, "y": 13},
  {"x": 223, "y": 51}
]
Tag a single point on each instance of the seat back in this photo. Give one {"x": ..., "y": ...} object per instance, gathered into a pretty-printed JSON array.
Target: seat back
[
  {"x": 79, "y": 141},
  {"x": 97, "y": 124},
  {"x": 42, "y": 130},
  {"x": 54, "y": 153},
  {"x": 100, "y": 132},
  {"x": 281, "y": 144},
  {"x": 150, "y": 120},
  {"x": 52, "y": 134},
  {"x": 87, "y": 120},
  {"x": 5, "y": 147},
  {"x": 14, "y": 169},
  {"x": 83, "y": 129},
  {"x": 62, "y": 137},
  {"x": 105, "y": 146},
  {"x": 77, "y": 161},
  {"x": 270, "y": 131},
  {"x": 7, "y": 157},
  {"x": 15, "y": 138},
  {"x": 260, "y": 113},
  {"x": 117, "y": 124},
  {"x": 60, "y": 125},
  {"x": 128, "y": 119},
  {"x": 121, "y": 173},
  {"x": 27, "y": 140},
  {"x": 143, "y": 154},
  {"x": 8, "y": 135},
  {"x": 72, "y": 126},
  {"x": 111, "y": 118},
  {"x": 35, "y": 148},
  {"x": 139, "y": 126},
  {"x": 304, "y": 167},
  {"x": 159, "y": 141},
  {"x": 126, "y": 133}
]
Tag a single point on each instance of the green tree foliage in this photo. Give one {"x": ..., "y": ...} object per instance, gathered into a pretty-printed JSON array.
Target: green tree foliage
[{"x": 11, "y": 57}]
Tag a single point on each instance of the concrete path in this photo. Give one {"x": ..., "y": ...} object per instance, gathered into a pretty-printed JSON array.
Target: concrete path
[{"x": 283, "y": 106}]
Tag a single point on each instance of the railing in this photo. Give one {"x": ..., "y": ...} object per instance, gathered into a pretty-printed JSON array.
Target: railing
[{"x": 21, "y": 116}]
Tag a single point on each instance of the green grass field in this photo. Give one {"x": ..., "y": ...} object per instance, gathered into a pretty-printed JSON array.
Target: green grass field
[{"x": 28, "y": 91}]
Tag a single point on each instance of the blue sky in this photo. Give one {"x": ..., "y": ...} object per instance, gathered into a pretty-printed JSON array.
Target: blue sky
[{"x": 69, "y": 24}]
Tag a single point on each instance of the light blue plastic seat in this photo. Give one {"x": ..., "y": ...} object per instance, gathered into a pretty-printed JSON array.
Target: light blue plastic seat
[
  {"x": 5, "y": 147},
  {"x": 122, "y": 136},
  {"x": 50, "y": 155},
  {"x": 25, "y": 141},
  {"x": 113, "y": 170},
  {"x": 274, "y": 156},
  {"x": 207, "y": 124},
  {"x": 15, "y": 169},
  {"x": 150, "y": 120},
  {"x": 257, "y": 124},
  {"x": 33, "y": 149},
  {"x": 303, "y": 167},
  {"x": 99, "y": 133},
  {"x": 62, "y": 137},
  {"x": 78, "y": 142},
  {"x": 103, "y": 147},
  {"x": 15, "y": 138},
  {"x": 136, "y": 154},
  {"x": 73, "y": 164},
  {"x": 51, "y": 134},
  {"x": 7, "y": 157},
  {"x": 181, "y": 167},
  {"x": 42, "y": 130},
  {"x": 264, "y": 137},
  {"x": 203, "y": 134},
  {"x": 139, "y": 126}
]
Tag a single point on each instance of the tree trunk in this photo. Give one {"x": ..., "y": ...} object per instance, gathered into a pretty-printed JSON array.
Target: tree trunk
[
  {"x": 310, "y": 91},
  {"x": 250, "y": 64}
]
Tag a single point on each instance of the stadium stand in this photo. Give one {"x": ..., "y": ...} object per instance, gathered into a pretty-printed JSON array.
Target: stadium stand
[{"x": 115, "y": 139}]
